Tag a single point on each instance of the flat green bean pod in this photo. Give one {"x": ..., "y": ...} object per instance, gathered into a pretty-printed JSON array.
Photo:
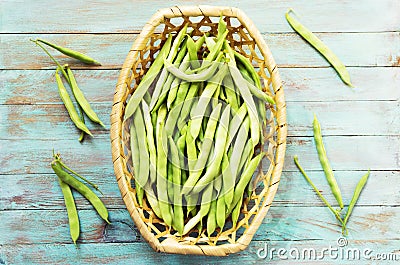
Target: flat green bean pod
[
  {"x": 162, "y": 182},
  {"x": 320, "y": 47},
  {"x": 82, "y": 189},
  {"x": 360, "y": 186},
  {"x": 71, "y": 210},
  {"x": 71, "y": 53},
  {"x": 245, "y": 179},
  {"x": 81, "y": 99}
]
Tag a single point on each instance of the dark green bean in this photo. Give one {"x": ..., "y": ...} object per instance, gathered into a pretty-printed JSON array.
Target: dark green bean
[
  {"x": 320, "y": 47},
  {"x": 82, "y": 189},
  {"x": 70, "y": 106},
  {"x": 71, "y": 53},
  {"x": 71, "y": 210},
  {"x": 80, "y": 98},
  {"x": 325, "y": 162}
]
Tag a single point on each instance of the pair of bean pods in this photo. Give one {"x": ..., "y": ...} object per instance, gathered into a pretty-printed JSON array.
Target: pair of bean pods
[
  {"x": 67, "y": 181},
  {"x": 83, "y": 104},
  {"x": 332, "y": 180}
]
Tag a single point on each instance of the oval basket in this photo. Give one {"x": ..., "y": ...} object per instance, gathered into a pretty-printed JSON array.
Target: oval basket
[{"x": 246, "y": 39}]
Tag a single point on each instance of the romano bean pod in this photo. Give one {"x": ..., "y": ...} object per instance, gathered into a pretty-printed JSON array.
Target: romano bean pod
[
  {"x": 71, "y": 53},
  {"x": 322, "y": 48}
]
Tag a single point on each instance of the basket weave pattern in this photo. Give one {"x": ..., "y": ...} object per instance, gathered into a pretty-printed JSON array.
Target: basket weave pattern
[{"x": 244, "y": 38}]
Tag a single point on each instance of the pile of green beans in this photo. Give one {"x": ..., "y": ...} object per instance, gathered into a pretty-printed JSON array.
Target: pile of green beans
[
  {"x": 83, "y": 105},
  {"x": 196, "y": 122},
  {"x": 332, "y": 180},
  {"x": 67, "y": 180}
]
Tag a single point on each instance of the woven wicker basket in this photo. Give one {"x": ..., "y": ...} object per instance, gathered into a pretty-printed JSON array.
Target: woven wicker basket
[{"x": 244, "y": 38}]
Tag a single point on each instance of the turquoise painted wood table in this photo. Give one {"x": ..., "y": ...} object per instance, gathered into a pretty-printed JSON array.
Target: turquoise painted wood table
[{"x": 361, "y": 129}]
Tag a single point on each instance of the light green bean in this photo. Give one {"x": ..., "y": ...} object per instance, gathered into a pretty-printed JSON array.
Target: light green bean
[{"x": 320, "y": 47}]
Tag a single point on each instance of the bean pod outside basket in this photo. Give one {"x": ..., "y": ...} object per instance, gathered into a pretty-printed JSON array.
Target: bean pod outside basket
[{"x": 247, "y": 40}]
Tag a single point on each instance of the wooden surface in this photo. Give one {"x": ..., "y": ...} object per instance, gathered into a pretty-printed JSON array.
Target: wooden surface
[{"x": 360, "y": 126}]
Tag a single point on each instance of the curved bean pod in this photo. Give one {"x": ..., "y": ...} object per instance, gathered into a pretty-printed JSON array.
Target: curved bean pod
[
  {"x": 360, "y": 186},
  {"x": 81, "y": 99},
  {"x": 320, "y": 47},
  {"x": 82, "y": 189},
  {"x": 199, "y": 77},
  {"x": 71, "y": 53}
]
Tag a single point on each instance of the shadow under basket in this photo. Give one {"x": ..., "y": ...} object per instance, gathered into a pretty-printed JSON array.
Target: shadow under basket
[{"x": 244, "y": 37}]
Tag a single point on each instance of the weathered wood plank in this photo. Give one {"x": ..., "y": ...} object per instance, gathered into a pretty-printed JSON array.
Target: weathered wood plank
[
  {"x": 127, "y": 16},
  {"x": 288, "y": 49},
  {"x": 27, "y": 87},
  {"x": 281, "y": 223},
  {"x": 344, "y": 152},
  {"x": 45, "y": 194},
  {"x": 339, "y": 118},
  {"x": 141, "y": 253}
]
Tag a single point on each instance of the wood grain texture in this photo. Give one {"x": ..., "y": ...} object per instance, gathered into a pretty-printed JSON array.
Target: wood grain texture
[
  {"x": 344, "y": 152},
  {"x": 21, "y": 120},
  {"x": 282, "y": 223},
  {"x": 45, "y": 193},
  {"x": 28, "y": 87},
  {"x": 126, "y": 16},
  {"x": 138, "y": 253},
  {"x": 288, "y": 49}
]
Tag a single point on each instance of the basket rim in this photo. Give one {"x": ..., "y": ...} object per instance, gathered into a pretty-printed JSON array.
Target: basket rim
[{"x": 117, "y": 114}]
